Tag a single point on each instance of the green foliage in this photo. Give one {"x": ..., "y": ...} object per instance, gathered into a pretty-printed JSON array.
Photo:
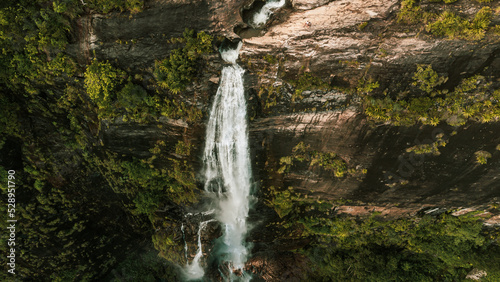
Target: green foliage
[
  {"x": 281, "y": 201},
  {"x": 270, "y": 59},
  {"x": 427, "y": 79},
  {"x": 362, "y": 25},
  {"x": 411, "y": 13},
  {"x": 482, "y": 157},
  {"x": 183, "y": 148},
  {"x": 454, "y": 27},
  {"x": 307, "y": 81},
  {"x": 432, "y": 148},
  {"x": 145, "y": 266},
  {"x": 327, "y": 161},
  {"x": 106, "y": 6},
  {"x": 473, "y": 99},
  {"x": 101, "y": 81},
  {"x": 177, "y": 71},
  {"x": 32, "y": 39},
  {"x": 424, "y": 249},
  {"x": 366, "y": 86}
]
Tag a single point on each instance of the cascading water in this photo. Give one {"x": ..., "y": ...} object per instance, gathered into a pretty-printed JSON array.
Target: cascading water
[
  {"x": 227, "y": 165},
  {"x": 194, "y": 270},
  {"x": 227, "y": 161},
  {"x": 262, "y": 16}
]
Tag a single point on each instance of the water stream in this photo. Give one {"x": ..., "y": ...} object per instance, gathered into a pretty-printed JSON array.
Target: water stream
[
  {"x": 227, "y": 161},
  {"x": 263, "y": 15},
  {"x": 227, "y": 167}
]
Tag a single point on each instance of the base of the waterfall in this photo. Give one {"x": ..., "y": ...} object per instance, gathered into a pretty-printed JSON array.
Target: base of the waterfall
[{"x": 193, "y": 272}]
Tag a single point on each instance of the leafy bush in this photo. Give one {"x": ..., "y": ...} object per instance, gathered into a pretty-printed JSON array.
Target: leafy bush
[
  {"x": 427, "y": 79},
  {"x": 106, "y": 6},
  {"x": 482, "y": 157},
  {"x": 307, "y": 81},
  {"x": 328, "y": 161},
  {"x": 454, "y": 27},
  {"x": 473, "y": 99},
  {"x": 177, "y": 71},
  {"x": 445, "y": 248},
  {"x": 101, "y": 81}
]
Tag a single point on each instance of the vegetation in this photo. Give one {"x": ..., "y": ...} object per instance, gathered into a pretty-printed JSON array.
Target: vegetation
[
  {"x": 307, "y": 81},
  {"x": 447, "y": 23},
  {"x": 76, "y": 193},
  {"x": 329, "y": 162},
  {"x": 144, "y": 266},
  {"x": 427, "y": 248},
  {"x": 455, "y": 27},
  {"x": 482, "y": 157},
  {"x": 472, "y": 99},
  {"x": 422, "y": 249},
  {"x": 177, "y": 71},
  {"x": 106, "y": 6},
  {"x": 432, "y": 148},
  {"x": 101, "y": 81}
]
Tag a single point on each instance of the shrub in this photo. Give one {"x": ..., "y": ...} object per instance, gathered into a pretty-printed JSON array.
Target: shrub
[
  {"x": 101, "y": 80},
  {"x": 482, "y": 157},
  {"x": 426, "y": 79},
  {"x": 177, "y": 71},
  {"x": 454, "y": 27}
]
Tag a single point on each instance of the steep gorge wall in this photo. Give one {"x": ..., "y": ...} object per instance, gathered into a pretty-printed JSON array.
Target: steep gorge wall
[
  {"x": 383, "y": 50},
  {"x": 336, "y": 49}
]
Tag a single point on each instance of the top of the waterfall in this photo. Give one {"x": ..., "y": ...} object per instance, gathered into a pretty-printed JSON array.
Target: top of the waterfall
[
  {"x": 263, "y": 15},
  {"x": 231, "y": 55}
]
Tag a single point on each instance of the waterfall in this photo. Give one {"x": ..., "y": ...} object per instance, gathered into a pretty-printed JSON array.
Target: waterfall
[
  {"x": 185, "y": 242},
  {"x": 263, "y": 15},
  {"x": 227, "y": 161},
  {"x": 227, "y": 167},
  {"x": 193, "y": 270}
]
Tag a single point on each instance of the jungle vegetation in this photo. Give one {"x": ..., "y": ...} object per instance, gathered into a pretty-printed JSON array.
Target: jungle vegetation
[{"x": 81, "y": 206}]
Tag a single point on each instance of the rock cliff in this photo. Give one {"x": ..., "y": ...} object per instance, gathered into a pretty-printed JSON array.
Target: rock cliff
[{"x": 341, "y": 43}]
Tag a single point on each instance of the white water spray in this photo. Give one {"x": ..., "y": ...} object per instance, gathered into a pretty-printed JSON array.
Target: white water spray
[
  {"x": 227, "y": 161},
  {"x": 185, "y": 242},
  {"x": 193, "y": 270},
  {"x": 263, "y": 15}
]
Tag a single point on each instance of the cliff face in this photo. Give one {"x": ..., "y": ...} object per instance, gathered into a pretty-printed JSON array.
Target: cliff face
[
  {"x": 341, "y": 43},
  {"x": 323, "y": 48}
]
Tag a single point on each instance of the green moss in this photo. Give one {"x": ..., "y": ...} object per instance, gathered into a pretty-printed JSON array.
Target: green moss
[
  {"x": 419, "y": 249},
  {"x": 362, "y": 26}
]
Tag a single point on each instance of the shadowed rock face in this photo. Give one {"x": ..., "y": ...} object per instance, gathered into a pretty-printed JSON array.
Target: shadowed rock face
[
  {"x": 396, "y": 183},
  {"x": 452, "y": 179}
]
